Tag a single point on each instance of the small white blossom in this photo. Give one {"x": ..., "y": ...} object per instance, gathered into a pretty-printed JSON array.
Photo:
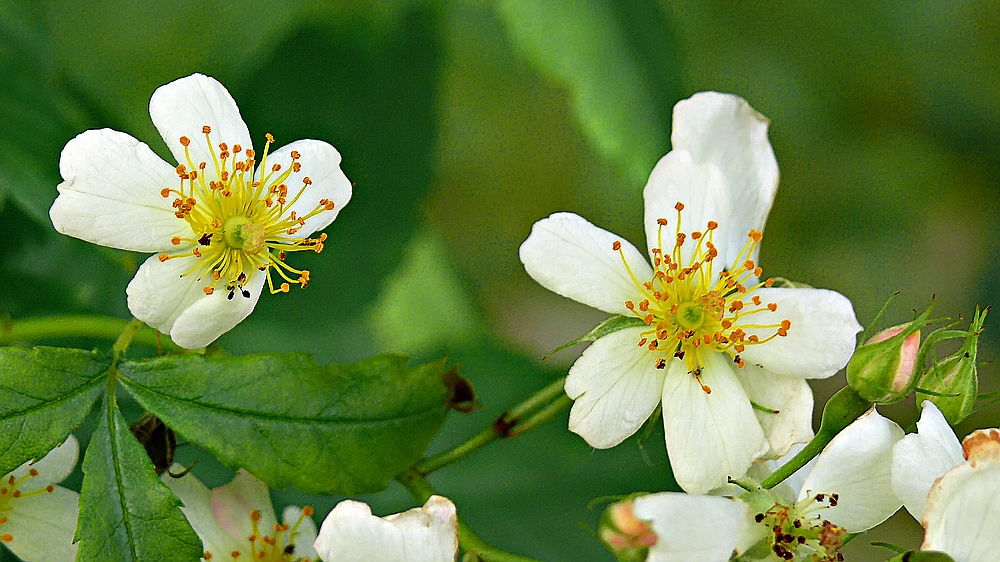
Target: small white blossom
[
  {"x": 220, "y": 222},
  {"x": 350, "y": 533},
  {"x": 952, "y": 488},
  {"x": 236, "y": 522},
  {"x": 37, "y": 518},
  {"x": 716, "y": 336}
]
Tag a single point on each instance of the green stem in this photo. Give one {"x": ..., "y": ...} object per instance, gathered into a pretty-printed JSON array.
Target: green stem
[
  {"x": 82, "y": 326},
  {"x": 471, "y": 543},
  {"x": 843, "y": 408},
  {"x": 547, "y": 402}
]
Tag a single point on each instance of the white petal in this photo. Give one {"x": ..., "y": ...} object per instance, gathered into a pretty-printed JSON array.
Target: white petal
[
  {"x": 722, "y": 130},
  {"x": 110, "y": 194},
  {"x": 43, "y": 525},
  {"x": 616, "y": 386},
  {"x": 857, "y": 466},
  {"x": 158, "y": 294},
  {"x": 701, "y": 187},
  {"x": 921, "y": 458},
  {"x": 568, "y": 255},
  {"x": 197, "y": 509},
  {"x": 321, "y": 164},
  {"x": 702, "y": 528},
  {"x": 182, "y": 107},
  {"x": 710, "y": 437},
  {"x": 963, "y": 509},
  {"x": 350, "y": 533},
  {"x": 53, "y": 467},
  {"x": 306, "y": 535},
  {"x": 791, "y": 397},
  {"x": 213, "y": 315},
  {"x": 820, "y": 340},
  {"x": 233, "y": 503}
]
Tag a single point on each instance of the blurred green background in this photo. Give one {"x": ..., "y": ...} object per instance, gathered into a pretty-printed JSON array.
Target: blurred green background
[{"x": 464, "y": 121}]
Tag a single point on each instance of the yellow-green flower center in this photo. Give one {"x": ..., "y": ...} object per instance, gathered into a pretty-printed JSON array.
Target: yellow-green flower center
[
  {"x": 241, "y": 218},
  {"x": 690, "y": 311},
  {"x": 800, "y": 533},
  {"x": 276, "y": 547}
]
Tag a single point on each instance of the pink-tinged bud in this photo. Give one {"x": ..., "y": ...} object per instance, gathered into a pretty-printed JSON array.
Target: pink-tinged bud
[
  {"x": 627, "y": 536},
  {"x": 885, "y": 368},
  {"x": 953, "y": 382}
]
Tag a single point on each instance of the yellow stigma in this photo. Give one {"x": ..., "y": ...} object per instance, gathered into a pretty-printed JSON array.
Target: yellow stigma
[
  {"x": 240, "y": 217},
  {"x": 691, "y": 311}
]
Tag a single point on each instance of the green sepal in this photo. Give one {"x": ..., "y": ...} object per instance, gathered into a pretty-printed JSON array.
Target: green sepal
[
  {"x": 953, "y": 382},
  {"x": 344, "y": 429},
  {"x": 609, "y": 326},
  {"x": 127, "y": 514},
  {"x": 45, "y": 393}
]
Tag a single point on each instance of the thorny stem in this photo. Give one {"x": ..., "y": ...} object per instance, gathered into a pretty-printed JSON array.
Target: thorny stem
[
  {"x": 470, "y": 542},
  {"x": 541, "y": 406},
  {"x": 86, "y": 326}
]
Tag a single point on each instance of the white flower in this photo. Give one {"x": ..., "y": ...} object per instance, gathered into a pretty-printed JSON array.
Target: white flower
[
  {"x": 350, "y": 533},
  {"x": 715, "y": 337},
  {"x": 38, "y": 519},
  {"x": 952, "y": 488},
  {"x": 220, "y": 222},
  {"x": 846, "y": 491},
  {"x": 236, "y": 522}
]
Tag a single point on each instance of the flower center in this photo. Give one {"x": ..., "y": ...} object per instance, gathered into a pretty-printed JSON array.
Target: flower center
[
  {"x": 799, "y": 533},
  {"x": 240, "y": 218},
  {"x": 690, "y": 311},
  {"x": 279, "y": 547},
  {"x": 10, "y": 491}
]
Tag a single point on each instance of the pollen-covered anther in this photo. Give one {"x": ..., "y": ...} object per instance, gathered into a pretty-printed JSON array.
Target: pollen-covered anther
[{"x": 208, "y": 289}]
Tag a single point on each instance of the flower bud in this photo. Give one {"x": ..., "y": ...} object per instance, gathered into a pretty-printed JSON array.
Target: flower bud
[
  {"x": 884, "y": 369},
  {"x": 628, "y": 537},
  {"x": 954, "y": 380}
]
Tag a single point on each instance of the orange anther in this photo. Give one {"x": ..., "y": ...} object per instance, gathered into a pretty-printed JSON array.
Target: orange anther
[
  {"x": 769, "y": 282},
  {"x": 616, "y": 245},
  {"x": 307, "y": 181},
  {"x": 208, "y": 290},
  {"x": 165, "y": 192},
  {"x": 185, "y": 141},
  {"x": 648, "y": 319},
  {"x": 680, "y": 238},
  {"x": 50, "y": 488},
  {"x": 276, "y": 167},
  {"x": 772, "y": 306},
  {"x": 749, "y": 265},
  {"x": 644, "y": 305},
  {"x": 255, "y": 514},
  {"x": 782, "y": 332},
  {"x": 206, "y": 129},
  {"x": 237, "y": 148},
  {"x": 630, "y": 305},
  {"x": 250, "y": 153},
  {"x": 726, "y": 324},
  {"x": 163, "y": 257},
  {"x": 756, "y": 300},
  {"x": 284, "y": 287},
  {"x": 756, "y": 235},
  {"x": 7, "y": 537},
  {"x": 739, "y": 348},
  {"x": 296, "y": 155},
  {"x": 196, "y": 252},
  {"x": 307, "y": 511},
  {"x": 712, "y": 225},
  {"x": 268, "y": 137},
  {"x": 642, "y": 342},
  {"x": 33, "y": 472},
  {"x": 661, "y": 222},
  {"x": 176, "y": 240},
  {"x": 786, "y": 323},
  {"x": 181, "y": 169},
  {"x": 708, "y": 339},
  {"x": 661, "y": 363},
  {"x": 679, "y": 206},
  {"x": 653, "y": 345},
  {"x": 695, "y": 235},
  {"x": 757, "y": 271}
]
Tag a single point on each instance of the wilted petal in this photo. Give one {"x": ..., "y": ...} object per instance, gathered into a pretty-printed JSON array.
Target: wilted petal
[
  {"x": 110, "y": 194},
  {"x": 321, "y": 164},
  {"x": 821, "y": 338},
  {"x": 569, "y": 256},
  {"x": 350, "y": 533},
  {"x": 689, "y": 528},
  {"x": 791, "y": 397},
  {"x": 921, "y": 458},
  {"x": 616, "y": 386},
  {"x": 42, "y": 526},
  {"x": 710, "y": 437},
  {"x": 213, "y": 315},
  {"x": 856, "y": 465},
  {"x": 183, "y": 107}
]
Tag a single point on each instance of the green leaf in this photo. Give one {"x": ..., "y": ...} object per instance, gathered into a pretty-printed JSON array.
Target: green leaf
[
  {"x": 617, "y": 58},
  {"x": 126, "y": 513},
  {"x": 609, "y": 326},
  {"x": 44, "y": 393},
  {"x": 345, "y": 429}
]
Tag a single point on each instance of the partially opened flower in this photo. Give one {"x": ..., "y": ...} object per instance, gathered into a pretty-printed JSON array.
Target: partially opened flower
[
  {"x": 714, "y": 337},
  {"x": 37, "y": 518},
  {"x": 350, "y": 533},
  {"x": 953, "y": 489},
  {"x": 221, "y": 222},
  {"x": 236, "y": 522}
]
